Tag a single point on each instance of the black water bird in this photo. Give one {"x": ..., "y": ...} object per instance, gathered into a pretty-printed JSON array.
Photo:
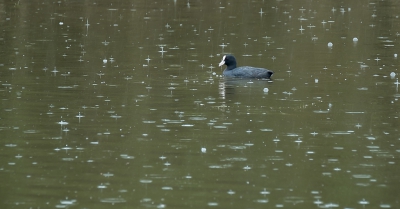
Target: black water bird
[{"x": 244, "y": 71}]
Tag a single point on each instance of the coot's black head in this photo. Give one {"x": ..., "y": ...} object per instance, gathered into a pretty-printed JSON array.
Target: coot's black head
[{"x": 229, "y": 61}]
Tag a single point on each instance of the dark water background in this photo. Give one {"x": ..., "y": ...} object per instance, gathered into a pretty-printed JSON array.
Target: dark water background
[{"x": 121, "y": 104}]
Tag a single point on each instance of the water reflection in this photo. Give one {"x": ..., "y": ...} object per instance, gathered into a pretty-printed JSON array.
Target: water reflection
[{"x": 228, "y": 87}]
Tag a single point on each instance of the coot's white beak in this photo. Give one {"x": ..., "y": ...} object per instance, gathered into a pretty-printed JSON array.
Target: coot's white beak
[{"x": 222, "y": 61}]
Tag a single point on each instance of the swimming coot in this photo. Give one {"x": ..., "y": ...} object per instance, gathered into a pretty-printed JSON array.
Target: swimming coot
[{"x": 244, "y": 71}]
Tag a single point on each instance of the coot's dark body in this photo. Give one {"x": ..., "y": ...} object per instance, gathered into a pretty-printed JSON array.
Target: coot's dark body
[{"x": 244, "y": 71}]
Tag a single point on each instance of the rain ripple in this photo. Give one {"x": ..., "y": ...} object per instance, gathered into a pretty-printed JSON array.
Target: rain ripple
[{"x": 113, "y": 200}]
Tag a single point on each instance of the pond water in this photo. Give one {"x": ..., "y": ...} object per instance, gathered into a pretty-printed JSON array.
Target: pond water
[{"x": 121, "y": 104}]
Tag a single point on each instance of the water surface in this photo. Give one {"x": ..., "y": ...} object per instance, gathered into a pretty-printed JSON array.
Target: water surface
[{"x": 122, "y": 104}]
